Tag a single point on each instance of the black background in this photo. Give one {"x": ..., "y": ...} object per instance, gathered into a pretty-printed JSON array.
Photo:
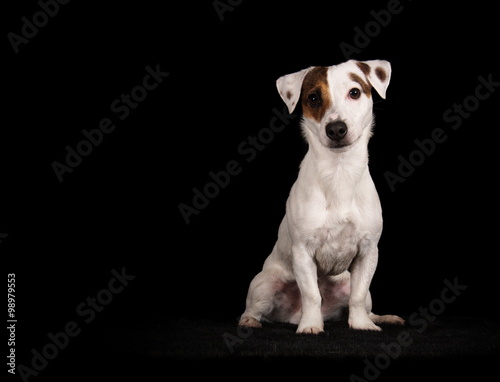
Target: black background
[{"x": 120, "y": 206}]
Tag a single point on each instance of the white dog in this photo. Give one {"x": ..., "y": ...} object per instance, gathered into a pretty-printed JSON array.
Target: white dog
[{"x": 326, "y": 252}]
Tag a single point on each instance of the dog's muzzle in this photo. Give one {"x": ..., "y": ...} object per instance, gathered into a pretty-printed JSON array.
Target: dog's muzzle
[{"x": 336, "y": 131}]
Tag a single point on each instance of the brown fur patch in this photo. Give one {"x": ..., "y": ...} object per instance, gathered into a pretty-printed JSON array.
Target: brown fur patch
[
  {"x": 380, "y": 73},
  {"x": 289, "y": 94},
  {"x": 364, "y": 67},
  {"x": 365, "y": 86},
  {"x": 315, "y": 81}
]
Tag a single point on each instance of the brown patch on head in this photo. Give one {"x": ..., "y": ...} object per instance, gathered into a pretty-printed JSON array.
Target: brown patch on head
[
  {"x": 380, "y": 73},
  {"x": 315, "y": 84},
  {"x": 365, "y": 86},
  {"x": 289, "y": 94},
  {"x": 364, "y": 67}
]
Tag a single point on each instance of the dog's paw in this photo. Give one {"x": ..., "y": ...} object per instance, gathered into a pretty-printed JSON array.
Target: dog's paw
[
  {"x": 249, "y": 322},
  {"x": 364, "y": 324},
  {"x": 387, "y": 319},
  {"x": 309, "y": 330},
  {"x": 396, "y": 320},
  {"x": 392, "y": 319}
]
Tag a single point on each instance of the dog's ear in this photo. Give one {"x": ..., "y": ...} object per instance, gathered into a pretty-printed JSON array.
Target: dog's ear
[
  {"x": 378, "y": 74},
  {"x": 289, "y": 88}
]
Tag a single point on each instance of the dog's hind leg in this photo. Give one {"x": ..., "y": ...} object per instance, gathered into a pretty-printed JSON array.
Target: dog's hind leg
[{"x": 260, "y": 298}]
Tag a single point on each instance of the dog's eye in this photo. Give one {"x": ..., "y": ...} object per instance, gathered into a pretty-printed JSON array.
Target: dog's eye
[
  {"x": 314, "y": 99},
  {"x": 354, "y": 93}
]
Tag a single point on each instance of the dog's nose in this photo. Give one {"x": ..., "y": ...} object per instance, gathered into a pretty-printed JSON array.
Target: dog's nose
[{"x": 336, "y": 130}]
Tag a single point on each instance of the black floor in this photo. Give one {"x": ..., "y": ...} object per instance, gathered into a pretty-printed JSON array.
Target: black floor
[{"x": 450, "y": 347}]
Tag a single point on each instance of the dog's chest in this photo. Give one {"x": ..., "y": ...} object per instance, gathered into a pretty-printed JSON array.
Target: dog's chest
[{"x": 335, "y": 247}]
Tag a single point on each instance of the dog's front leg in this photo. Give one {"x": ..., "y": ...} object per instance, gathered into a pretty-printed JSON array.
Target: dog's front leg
[
  {"x": 305, "y": 272},
  {"x": 362, "y": 270}
]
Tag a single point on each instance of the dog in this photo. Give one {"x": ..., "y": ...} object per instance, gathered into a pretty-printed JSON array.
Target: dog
[{"x": 327, "y": 247}]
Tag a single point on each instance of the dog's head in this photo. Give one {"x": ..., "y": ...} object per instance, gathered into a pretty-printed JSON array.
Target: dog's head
[{"x": 336, "y": 100}]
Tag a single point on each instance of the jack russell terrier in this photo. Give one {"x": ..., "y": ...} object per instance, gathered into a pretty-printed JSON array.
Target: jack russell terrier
[{"x": 326, "y": 252}]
